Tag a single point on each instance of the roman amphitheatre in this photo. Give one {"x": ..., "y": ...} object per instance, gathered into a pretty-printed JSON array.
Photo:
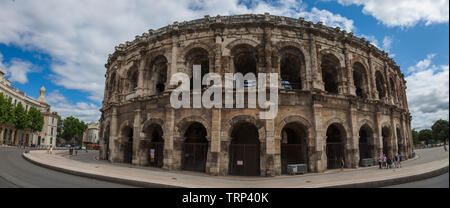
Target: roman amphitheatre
[{"x": 340, "y": 97}]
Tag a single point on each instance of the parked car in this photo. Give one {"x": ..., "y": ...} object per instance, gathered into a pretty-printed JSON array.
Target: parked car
[{"x": 77, "y": 148}]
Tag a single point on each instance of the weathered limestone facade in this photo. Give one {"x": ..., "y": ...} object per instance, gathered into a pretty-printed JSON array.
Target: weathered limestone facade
[{"x": 341, "y": 89}]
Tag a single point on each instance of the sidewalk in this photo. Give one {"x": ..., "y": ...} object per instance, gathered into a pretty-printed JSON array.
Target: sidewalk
[{"x": 429, "y": 163}]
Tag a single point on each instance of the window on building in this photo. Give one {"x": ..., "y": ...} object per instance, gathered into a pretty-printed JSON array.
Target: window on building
[{"x": 51, "y": 140}]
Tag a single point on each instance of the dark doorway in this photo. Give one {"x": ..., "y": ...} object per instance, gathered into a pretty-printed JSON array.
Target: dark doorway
[
  {"x": 195, "y": 148},
  {"x": 380, "y": 85},
  {"x": 244, "y": 150},
  {"x": 294, "y": 147},
  {"x": 360, "y": 80},
  {"x": 106, "y": 139},
  {"x": 401, "y": 147},
  {"x": 330, "y": 73},
  {"x": 335, "y": 146},
  {"x": 365, "y": 147},
  {"x": 127, "y": 134},
  {"x": 291, "y": 65},
  {"x": 386, "y": 134},
  {"x": 156, "y": 148}
]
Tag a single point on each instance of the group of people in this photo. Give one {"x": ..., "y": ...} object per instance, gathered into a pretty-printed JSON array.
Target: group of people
[{"x": 390, "y": 162}]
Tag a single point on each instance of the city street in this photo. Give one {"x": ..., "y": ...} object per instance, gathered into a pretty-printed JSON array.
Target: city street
[{"x": 16, "y": 172}]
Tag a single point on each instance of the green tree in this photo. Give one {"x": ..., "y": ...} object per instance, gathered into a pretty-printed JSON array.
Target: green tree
[
  {"x": 21, "y": 120},
  {"x": 73, "y": 129},
  {"x": 440, "y": 130},
  {"x": 415, "y": 136},
  {"x": 36, "y": 118},
  {"x": 426, "y": 135},
  {"x": 6, "y": 110}
]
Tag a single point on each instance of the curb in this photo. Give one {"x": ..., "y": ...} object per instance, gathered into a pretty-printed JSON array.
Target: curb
[
  {"x": 395, "y": 181},
  {"x": 143, "y": 184},
  {"x": 139, "y": 184}
]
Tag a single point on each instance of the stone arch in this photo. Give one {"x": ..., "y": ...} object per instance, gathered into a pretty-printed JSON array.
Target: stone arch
[
  {"x": 131, "y": 78},
  {"x": 331, "y": 69},
  {"x": 198, "y": 56},
  {"x": 245, "y": 118},
  {"x": 151, "y": 121},
  {"x": 292, "y": 67},
  {"x": 338, "y": 55},
  {"x": 296, "y": 119},
  {"x": 360, "y": 80},
  {"x": 335, "y": 141},
  {"x": 197, "y": 44},
  {"x": 380, "y": 83},
  {"x": 124, "y": 124},
  {"x": 245, "y": 59},
  {"x": 394, "y": 88},
  {"x": 155, "y": 77},
  {"x": 183, "y": 125},
  {"x": 387, "y": 134},
  {"x": 366, "y": 141},
  {"x": 237, "y": 42}
]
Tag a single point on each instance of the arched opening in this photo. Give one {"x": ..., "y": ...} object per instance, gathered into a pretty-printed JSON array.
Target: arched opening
[
  {"x": 386, "y": 134},
  {"x": 127, "y": 144},
  {"x": 244, "y": 150},
  {"x": 291, "y": 68},
  {"x": 360, "y": 80},
  {"x": 158, "y": 74},
  {"x": 110, "y": 86},
  {"x": 331, "y": 73},
  {"x": 154, "y": 134},
  {"x": 197, "y": 56},
  {"x": 294, "y": 145},
  {"x": 106, "y": 140},
  {"x": 393, "y": 89},
  {"x": 132, "y": 77},
  {"x": 245, "y": 59},
  {"x": 365, "y": 142},
  {"x": 195, "y": 148},
  {"x": 380, "y": 85},
  {"x": 401, "y": 146},
  {"x": 335, "y": 146}
]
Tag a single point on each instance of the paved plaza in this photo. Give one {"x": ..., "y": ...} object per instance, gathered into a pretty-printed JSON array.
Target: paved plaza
[{"x": 427, "y": 161}]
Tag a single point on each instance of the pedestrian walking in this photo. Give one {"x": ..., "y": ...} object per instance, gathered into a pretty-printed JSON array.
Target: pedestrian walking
[
  {"x": 399, "y": 160},
  {"x": 51, "y": 149},
  {"x": 380, "y": 160},
  {"x": 445, "y": 148},
  {"x": 384, "y": 161},
  {"x": 342, "y": 163}
]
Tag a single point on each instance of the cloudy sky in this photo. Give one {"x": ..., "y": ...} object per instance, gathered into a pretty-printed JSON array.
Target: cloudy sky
[{"x": 65, "y": 44}]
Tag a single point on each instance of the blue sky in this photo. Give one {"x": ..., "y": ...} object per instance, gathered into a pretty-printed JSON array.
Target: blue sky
[{"x": 64, "y": 45}]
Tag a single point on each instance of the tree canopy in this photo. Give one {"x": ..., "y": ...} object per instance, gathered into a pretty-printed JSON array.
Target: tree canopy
[
  {"x": 73, "y": 129},
  {"x": 440, "y": 130}
]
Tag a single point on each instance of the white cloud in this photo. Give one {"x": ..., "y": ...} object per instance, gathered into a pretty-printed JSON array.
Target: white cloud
[
  {"x": 87, "y": 112},
  {"x": 79, "y": 34},
  {"x": 404, "y": 13},
  {"x": 428, "y": 93},
  {"x": 17, "y": 69}
]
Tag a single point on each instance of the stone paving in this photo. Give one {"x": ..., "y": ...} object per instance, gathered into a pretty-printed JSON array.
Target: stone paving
[{"x": 427, "y": 160}]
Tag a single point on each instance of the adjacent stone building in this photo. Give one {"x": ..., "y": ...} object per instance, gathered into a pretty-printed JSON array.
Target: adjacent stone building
[
  {"x": 90, "y": 136},
  {"x": 340, "y": 98},
  {"x": 11, "y": 136}
]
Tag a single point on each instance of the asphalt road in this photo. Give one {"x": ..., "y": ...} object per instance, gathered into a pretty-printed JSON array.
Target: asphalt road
[
  {"x": 436, "y": 182},
  {"x": 16, "y": 172}
]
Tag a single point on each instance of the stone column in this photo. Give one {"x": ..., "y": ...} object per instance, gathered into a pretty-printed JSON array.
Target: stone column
[
  {"x": 372, "y": 81},
  {"x": 317, "y": 83},
  {"x": 136, "y": 160},
  {"x": 352, "y": 146},
  {"x": 141, "y": 73},
  {"x": 319, "y": 157},
  {"x": 169, "y": 151},
  {"x": 351, "y": 89},
  {"x": 113, "y": 137},
  {"x": 378, "y": 136},
  {"x": 272, "y": 158},
  {"x": 172, "y": 66},
  {"x": 212, "y": 164},
  {"x": 394, "y": 138}
]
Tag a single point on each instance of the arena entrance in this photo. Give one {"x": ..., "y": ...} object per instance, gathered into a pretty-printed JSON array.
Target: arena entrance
[
  {"x": 195, "y": 148},
  {"x": 365, "y": 148},
  {"x": 127, "y": 145},
  {"x": 335, "y": 146},
  {"x": 386, "y": 134},
  {"x": 244, "y": 150},
  {"x": 294, "y": 146},
  {"x": 401, "y": 147},
  {"x": 156, "y": 147}
]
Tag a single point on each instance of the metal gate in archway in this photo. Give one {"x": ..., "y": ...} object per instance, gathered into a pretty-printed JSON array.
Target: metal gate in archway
[
  {"x": 156, "y": 154},
  {"x": 292, "y": 154},
  {"x": 194, "y": 158},
  {"x": 335, "y": 151},
  {"x": 128, "y": 152},
  {"x": 244, "y": 159}
]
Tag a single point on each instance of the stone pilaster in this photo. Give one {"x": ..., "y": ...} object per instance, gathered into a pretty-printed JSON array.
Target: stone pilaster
[
  {"x": 169, "y": 131},
  {"x": 136, "y": 137},
  {"x": 113, "y": 137},
  {"x": 351, "y": 89},
  {"x": 212, "y": 164},
  {"x": 352, "y": 146},
  {"x": 317, "y": 83},
  {"x": 141, "y": 72},
  {"x": 273, "y": 158},
  {"x": 319, "y": 157}
]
